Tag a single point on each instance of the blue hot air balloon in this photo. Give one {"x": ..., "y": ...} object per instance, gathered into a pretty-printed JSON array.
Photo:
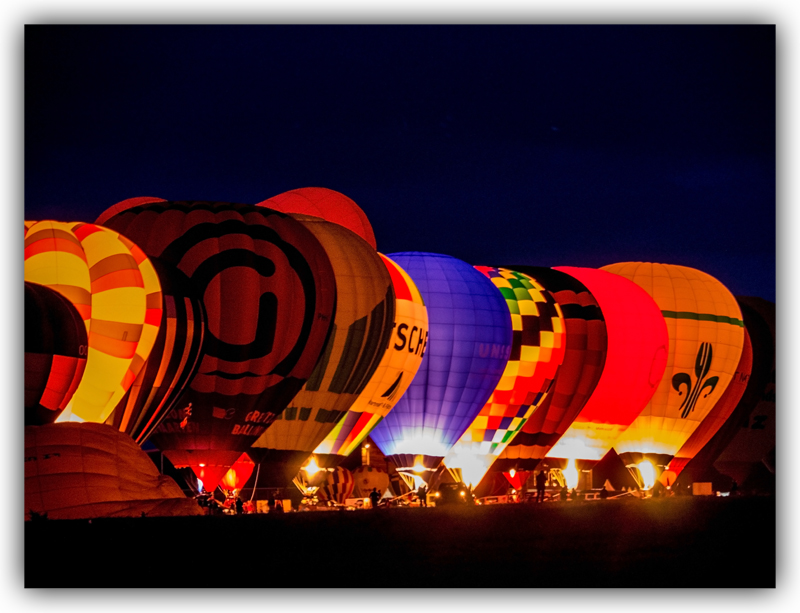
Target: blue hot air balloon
[{"x": 465, "y": 352}]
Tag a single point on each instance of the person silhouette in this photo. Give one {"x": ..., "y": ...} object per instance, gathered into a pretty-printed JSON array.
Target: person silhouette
[
  {"x": 374, "y": 497},
  {"x": 541, "y": 480}
]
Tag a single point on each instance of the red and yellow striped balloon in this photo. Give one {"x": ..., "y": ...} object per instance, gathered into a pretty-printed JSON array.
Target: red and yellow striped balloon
[{"x": 115, "y": 289}]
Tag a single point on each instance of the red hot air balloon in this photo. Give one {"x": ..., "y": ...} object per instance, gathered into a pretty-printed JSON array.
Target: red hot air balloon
[
  {"x": 635, "y": 361},
  {"x": 268, "y": 291},
  {"x": 55, "y": 353},
  {"x": 326, "y": 203},
  {"x": 124, "y": 205}
]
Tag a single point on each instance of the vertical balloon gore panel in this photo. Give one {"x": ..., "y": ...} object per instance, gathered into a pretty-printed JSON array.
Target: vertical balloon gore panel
[
  {"x": 468, "y": 346},
  {"x": 55, "y": 353},
  {"x": 397, "y": 368},
  {"x": 268, "y": 292},
  {"x": 586, "y": 344},
  {"x": 706, "y": 336},
  {"x": 172, "y": 363},
  {"x": 365, "y": 309}
]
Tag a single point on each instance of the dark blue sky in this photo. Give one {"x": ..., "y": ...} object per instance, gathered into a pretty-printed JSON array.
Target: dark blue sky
[{"x": 542, "y": 145}]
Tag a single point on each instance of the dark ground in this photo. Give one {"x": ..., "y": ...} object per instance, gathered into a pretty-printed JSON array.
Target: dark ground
[{"x": 660, "y": 542}]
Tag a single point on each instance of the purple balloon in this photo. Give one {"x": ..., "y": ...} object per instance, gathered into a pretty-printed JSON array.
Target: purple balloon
[{"x": 468, "y": 346}]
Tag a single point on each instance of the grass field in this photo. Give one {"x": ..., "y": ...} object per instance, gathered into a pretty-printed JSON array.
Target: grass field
[{"x": 659, "y": 542}]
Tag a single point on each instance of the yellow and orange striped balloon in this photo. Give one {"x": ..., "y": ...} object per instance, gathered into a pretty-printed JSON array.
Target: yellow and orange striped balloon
[{"x": 115, "y": 289}]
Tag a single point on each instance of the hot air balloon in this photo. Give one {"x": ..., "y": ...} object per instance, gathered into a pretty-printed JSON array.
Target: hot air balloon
[
  {"x": 90, "y": 470},
  {"x": 115, "y": 289},
  {"x": 268, "y": 292},
  {"x": 760, "y": 342},
  {"x": 124, "y": 205},
  {"x": 635, "y": 362},
  {"x": 173, "y": 361},
  {"x": 537, "y": 351},
  {"x": 465, "y": 354},
  {"x": 361, "y": 330},
  {"x": 706, "y": 335},
  {"x": 338, "y": 486},
  {"x": 55, "y": 353},
  {"x": 584, "y": 357},
  {"x": 327, "y": 204},
  {"x": 721, "y": 411},
  {"x": 400, "y": 362},
  {"x": 367, "y": 478},
  {"x": 752, "y": 445}
]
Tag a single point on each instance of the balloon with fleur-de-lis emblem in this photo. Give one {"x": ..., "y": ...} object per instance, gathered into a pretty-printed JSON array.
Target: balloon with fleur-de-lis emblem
[
  {"x": 692, "y": 389},
  {"x": 706, "y": 336}
]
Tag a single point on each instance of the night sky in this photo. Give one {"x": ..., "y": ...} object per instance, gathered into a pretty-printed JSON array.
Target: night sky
[{"x": 541, "y": 145}]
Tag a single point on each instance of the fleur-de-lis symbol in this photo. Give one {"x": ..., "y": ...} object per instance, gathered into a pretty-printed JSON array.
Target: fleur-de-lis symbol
[{"x": 702, "y": 365}]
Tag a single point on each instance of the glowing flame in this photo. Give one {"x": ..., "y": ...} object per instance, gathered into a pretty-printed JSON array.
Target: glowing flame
[
  {"x": 419, "y": 468},
  {"x": 418, "y": 481},
  {"x": 648, "y": 472},
  {"x": 512, "y": 472},
  {"x": 312, "y": 468},
  {"x": 200, "y": 486},
  {"x": 571, "y": 474}
]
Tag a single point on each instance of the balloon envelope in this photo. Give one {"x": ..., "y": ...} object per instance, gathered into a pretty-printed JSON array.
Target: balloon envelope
[
  {"x": 537, "y": 351},
  {"x": 706, "y": 334},
  {"x": 55, "y": 353},
  {"x": 468, "y": 346},
  {"x": 720, "y": 412},
  {"x": 755, "y": 430},
  {"x": 635, "y": 362},
  {"x": 361, "y": 330},
  {"x": 584, "y": 357},
  {"x": 267, "y": 289},
  {"x": 172, "y": 362},
  {"x": 338, "y": 486},
  {"x": 115, "y": 289},
  {"x": 327, "y": 204},
  {"x": 397, "y": 368},
  {"x": 367, "y": 478},
  {"x": 89, "y": 470}
]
